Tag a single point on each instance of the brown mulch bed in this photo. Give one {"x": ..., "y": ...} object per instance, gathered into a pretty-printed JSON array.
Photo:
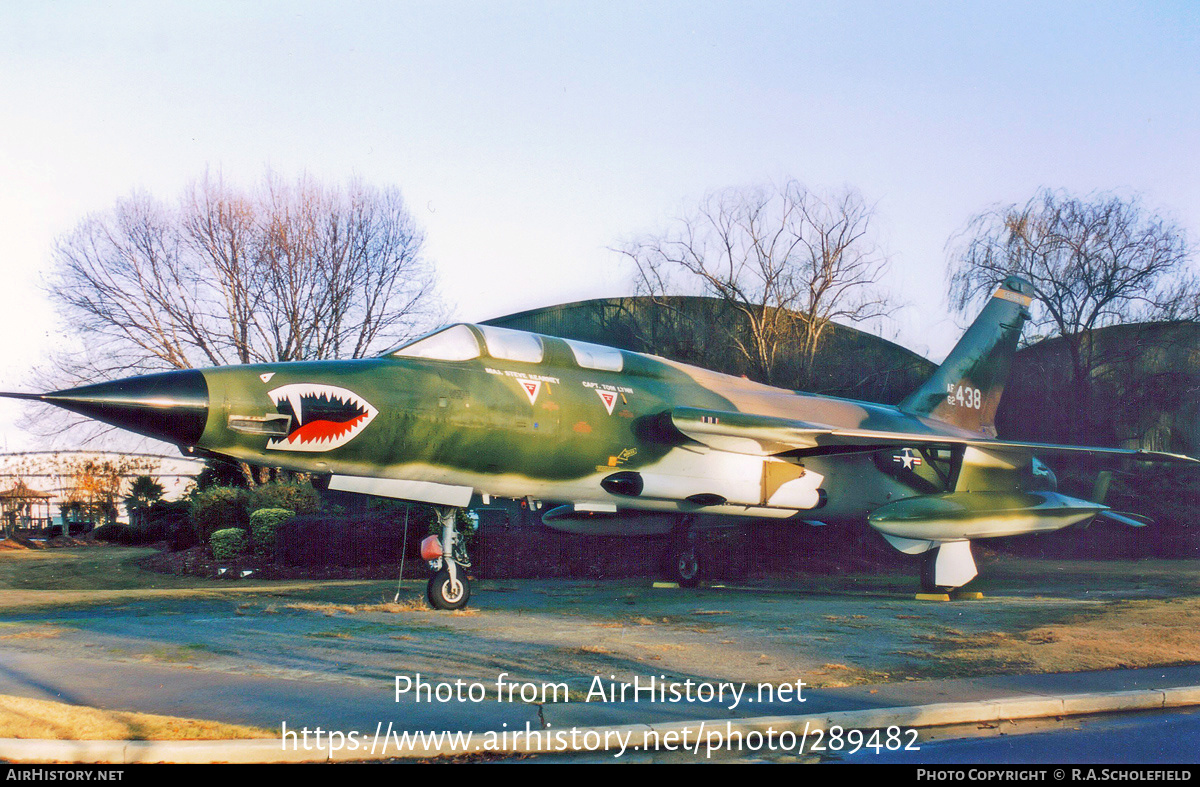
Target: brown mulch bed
[{"x": 18, "y": 542}]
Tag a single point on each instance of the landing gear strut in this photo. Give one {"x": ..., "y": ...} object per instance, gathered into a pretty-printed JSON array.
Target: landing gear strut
[
  {"x": 449, "y": 587},
  {"x": 685, "y": 565}
]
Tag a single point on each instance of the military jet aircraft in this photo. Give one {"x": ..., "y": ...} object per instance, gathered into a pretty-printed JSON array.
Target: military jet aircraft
[{"x": 631, "y": 443}]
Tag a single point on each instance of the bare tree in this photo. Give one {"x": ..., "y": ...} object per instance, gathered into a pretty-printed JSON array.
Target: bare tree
[
  {"x": 787, "y": 260},
  {"x": 223, "y": 229},
  {"x": 1094, "y": 261},
  {"x": 293, "y": 271}
]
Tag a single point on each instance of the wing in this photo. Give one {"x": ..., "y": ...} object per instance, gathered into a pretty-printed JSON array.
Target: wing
[{"x": 760, "y": 435}]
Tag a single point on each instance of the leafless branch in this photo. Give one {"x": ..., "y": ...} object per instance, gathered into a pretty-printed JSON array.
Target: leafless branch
[{"x": 786, "y": 260}]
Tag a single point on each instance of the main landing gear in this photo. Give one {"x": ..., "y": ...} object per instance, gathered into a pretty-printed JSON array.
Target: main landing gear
[
  {"x": 449, "y": 587},
  {"x": 684, "y": 566}
]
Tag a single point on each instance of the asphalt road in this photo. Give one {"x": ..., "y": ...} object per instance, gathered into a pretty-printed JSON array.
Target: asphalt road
[
  {"x": 242, "y": 699},
  {"x": 1150, "y": 737},
  {"x": 346, "y": 705},
  {"x": 327, "y": 656}
]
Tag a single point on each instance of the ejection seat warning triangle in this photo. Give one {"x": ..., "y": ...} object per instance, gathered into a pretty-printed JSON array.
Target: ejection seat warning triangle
[
  {"x": 531, "y": 388},
  {"x": 609, "y": 398}
]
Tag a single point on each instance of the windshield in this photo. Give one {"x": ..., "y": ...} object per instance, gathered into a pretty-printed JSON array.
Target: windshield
[{"x": 456, "y": 343}]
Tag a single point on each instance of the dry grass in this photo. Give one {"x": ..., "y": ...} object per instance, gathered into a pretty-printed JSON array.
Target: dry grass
[
  {"x": 21, "y": 717},
  {"x": 179, "y": 654},
  {"x": 322, "y": 607},
  {"x": 330, "y": 635},
  {"x": 42, "y": 633},
  {"x": 411, "y": 604},
  {"x": 833, "y": 675},
  {"x": 1121, "y": 634},
  {"x": 414, "y": 604}
]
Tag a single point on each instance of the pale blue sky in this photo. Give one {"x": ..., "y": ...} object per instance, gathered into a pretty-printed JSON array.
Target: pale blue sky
[{"x": 529, "y": 137}]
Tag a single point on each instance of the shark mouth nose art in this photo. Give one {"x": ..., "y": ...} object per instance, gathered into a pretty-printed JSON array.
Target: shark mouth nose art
[{"x": 324, "y": 417}]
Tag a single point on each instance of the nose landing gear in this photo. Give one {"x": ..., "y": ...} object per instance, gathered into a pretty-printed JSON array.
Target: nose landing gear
[
  {"x": 684, "y": 566},
  {"x": 449, "y": 587}
]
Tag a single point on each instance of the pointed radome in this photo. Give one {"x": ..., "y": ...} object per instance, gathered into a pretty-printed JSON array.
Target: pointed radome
[{"x": 170, "y": 406}]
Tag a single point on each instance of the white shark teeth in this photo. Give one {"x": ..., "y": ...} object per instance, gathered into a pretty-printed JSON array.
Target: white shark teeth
[{"x": 294, "y": 394}]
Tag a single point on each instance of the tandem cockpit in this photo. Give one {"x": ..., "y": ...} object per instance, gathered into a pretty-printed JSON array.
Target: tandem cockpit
[{"x": 463, "y": 342}]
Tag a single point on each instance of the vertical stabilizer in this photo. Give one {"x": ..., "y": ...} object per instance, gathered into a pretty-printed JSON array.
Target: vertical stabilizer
[{"x": 966, "y": 388}]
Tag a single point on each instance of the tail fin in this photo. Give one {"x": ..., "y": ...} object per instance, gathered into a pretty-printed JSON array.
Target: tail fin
[{"x": 965, "y": 390}]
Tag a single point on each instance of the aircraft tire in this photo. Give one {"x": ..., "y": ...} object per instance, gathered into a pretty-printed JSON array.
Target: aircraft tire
[
  {"x": 685, "y": 568},
  {"x": 441, "y": 593}
]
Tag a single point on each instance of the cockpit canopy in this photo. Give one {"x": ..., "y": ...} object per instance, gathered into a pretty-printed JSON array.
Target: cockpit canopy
[
  {"x": 456, "y": 343},
  {"x": 461, "y": 342},
  {"x": 510, "y": 345}
]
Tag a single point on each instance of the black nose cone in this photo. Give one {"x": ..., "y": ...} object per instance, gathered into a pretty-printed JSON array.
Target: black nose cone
[{"x": 171, "y": 406}]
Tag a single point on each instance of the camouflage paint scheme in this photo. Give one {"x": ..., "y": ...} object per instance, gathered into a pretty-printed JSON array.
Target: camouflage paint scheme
[
  {"x": 655, "y": 436},
  {"x": 454, "y": 422},
  {"x": 472, "y": 424}
]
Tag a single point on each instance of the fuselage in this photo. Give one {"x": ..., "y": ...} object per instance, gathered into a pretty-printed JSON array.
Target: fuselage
[{"x": 553, "y": 428}]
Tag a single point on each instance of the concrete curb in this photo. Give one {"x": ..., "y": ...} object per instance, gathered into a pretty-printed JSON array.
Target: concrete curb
[{"x": 679, "y": 733}]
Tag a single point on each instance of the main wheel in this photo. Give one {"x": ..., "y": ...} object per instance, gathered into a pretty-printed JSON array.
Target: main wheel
[
  {"x": 444, "y": 592},
  {"x": 686, "y": 568}
]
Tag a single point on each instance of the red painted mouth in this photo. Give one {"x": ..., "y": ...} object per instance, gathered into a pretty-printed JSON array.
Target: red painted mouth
[{"x": 324, "y": 430}]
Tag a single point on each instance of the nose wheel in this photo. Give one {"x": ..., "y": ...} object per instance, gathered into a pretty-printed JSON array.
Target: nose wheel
[
  {"x": 684, "y": 566},
  {"x": 448, "y": 592},
  {"x": 449, "y": 587}
]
